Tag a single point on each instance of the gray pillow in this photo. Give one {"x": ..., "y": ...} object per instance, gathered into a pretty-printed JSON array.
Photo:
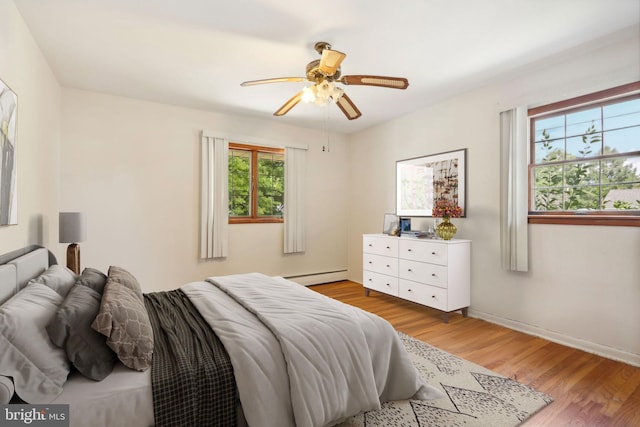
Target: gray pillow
[
  {"x": 6, "y": 389},
  {"x": 38, "y": 368},
  {"x": 58, "y": 278},
  {"x": 123, "y": 319},
  {"x": 94, "y": 279},
  {"x": 123, "y": 277},
  {"x": 71, "y": 329}
]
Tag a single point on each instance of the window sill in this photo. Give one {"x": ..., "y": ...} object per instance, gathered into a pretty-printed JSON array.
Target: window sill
[
  {"x": 569, "y": 218},
  {"x": 255, "y": 220}
]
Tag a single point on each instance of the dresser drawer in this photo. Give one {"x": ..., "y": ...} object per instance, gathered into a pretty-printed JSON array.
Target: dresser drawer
[
  {"x": 421, "y": 250},
  {"x": 381, "y": 282},
  {"x": 431, "y": 274},
  {"x": 380, "y": 264},
  {"x": 431, "y": 296},
  {"x": 379, "y": 245}
]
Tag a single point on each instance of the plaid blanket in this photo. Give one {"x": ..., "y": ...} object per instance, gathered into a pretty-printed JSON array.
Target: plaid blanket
[{"x": 191, "y": 373}]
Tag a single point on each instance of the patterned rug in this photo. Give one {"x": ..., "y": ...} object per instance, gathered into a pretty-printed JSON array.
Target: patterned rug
[{"x": 475, "y": 396}]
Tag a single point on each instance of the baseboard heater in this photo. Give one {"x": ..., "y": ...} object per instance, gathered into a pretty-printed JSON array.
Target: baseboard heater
[{"x": 319, "y": 278}]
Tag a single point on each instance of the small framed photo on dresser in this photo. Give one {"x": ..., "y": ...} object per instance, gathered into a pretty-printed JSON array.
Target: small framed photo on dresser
[
  {"x": 405, "y": 224},
  {"x": 390, "y": 225}
]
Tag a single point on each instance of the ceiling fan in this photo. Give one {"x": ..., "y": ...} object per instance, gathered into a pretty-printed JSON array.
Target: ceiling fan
[{"x": 324, "y": 73}]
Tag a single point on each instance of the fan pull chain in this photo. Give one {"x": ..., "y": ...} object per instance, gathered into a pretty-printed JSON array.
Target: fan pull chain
[{"x": 325, "y": 148}]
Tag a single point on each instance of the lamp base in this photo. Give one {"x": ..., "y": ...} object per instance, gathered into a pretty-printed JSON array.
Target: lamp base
[{"x": 73, "y": 258}]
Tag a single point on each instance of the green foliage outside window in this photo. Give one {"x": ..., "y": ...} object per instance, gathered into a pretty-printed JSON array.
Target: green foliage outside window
[
  {"x": 270, "y": 184},
  {"x": 239, "y": 183},
  {"x": 269, "y": 181},
  {"x": 575, "y": 168}
]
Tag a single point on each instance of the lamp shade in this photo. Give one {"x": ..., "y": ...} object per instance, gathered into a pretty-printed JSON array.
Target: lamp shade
[{"x": 73, "y": 227}]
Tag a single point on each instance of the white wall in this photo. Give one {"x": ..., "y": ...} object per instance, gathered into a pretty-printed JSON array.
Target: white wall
[
  {"x": 583, "y": 287},
  {"x": 134, "y": 167},
  {"x": 24, "y": 70}
]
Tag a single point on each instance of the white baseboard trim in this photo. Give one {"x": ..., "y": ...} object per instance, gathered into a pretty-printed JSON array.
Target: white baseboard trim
[
  {"x": 319, "y": 278},
  {"x": 589, "y": 347}
]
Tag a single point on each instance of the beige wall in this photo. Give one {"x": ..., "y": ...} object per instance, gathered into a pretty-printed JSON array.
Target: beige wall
[
  {"x": 134, "y": 167},
  {"x": 583, "y": 286},
  {"x": 24, "y": 70}
]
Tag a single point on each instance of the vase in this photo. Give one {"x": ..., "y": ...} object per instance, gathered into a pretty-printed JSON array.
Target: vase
[{"x": 446, "y": 229}]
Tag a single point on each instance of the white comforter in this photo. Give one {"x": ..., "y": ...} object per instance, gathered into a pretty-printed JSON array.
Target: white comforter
[{"x": 300, "y": 358}]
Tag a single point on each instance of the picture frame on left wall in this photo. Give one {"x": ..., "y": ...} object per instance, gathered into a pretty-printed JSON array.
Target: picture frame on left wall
[{"x": 8, "y": 159}]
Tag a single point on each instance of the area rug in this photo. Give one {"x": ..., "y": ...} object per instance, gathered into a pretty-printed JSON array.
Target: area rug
[{"x": 475, "y": 396}]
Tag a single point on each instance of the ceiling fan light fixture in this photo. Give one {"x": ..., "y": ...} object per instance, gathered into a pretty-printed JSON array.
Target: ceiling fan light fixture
[
  {"x": 324, "y": 90},
  {"x": 321, "y": 93},
  {"x": 309, "y": 94}
]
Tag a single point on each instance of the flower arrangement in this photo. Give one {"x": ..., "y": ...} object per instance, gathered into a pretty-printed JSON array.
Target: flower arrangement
[{"x": 446, "y": 209}]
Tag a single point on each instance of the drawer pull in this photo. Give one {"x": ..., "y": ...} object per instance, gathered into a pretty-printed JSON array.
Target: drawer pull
[
  {"x": 408, "y": 269},
  {"x": 433, "y": 274},
  {"x": 433, "y": 253},
  {"x": 370, "y": 262},
  {"x": 433, "y": 296},
  {"x": 387, "y": 265},
  {"x": 409, "y": 290},
  {"x": 388, "y": 284},
  {"x": 370, "y": 245},
  {"x": 370, "y": 280},
  {"x": 409, "y": 250},
  {"x": 388, "y": 247}
]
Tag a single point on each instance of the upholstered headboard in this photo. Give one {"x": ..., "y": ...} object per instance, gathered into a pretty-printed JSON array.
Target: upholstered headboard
[{"x": 19, "y": 266}]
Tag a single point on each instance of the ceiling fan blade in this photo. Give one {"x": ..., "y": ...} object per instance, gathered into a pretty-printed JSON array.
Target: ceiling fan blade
[
  {"x": 390, "y": 82},
  {"x": 289, "y": 104},
  {"x": 330, "y": 61},
  {"x": 276, "y": 80},
  {"x": 348, "y": 107}
]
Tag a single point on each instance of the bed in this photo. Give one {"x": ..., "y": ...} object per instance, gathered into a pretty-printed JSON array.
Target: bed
[{"x": 296, "y": 358}]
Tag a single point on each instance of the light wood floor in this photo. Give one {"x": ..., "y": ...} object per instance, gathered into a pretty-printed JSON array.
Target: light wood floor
[{"x": 588, "y": 390}]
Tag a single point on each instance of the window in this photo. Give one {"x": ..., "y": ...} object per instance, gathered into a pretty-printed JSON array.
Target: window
[
  {"x": 256, "y": 184},
  {"x": 585, "y": 159}
]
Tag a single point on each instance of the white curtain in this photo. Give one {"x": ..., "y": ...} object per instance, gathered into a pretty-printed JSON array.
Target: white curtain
[
  {"x": 514, "y": 189},
  {"x": 294, "y": 215},
  {"x": 214, "y": 219}
]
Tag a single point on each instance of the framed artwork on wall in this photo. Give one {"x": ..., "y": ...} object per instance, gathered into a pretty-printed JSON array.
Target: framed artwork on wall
[
  {"x": 421, "y": 181},
  {"x": 8, "y": 160}
]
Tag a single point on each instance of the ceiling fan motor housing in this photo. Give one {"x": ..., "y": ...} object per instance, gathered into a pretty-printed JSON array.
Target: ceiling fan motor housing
[{"x": 314, "y": 74}]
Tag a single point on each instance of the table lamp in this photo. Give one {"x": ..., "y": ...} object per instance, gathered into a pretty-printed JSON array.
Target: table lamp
[{"x": 73, "y": 230}]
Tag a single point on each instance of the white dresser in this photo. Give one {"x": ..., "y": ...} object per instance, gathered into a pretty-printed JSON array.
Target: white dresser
[{"x": 435, "y": 273}]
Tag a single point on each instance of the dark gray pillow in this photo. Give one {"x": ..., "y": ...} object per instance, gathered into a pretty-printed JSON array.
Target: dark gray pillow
[
  {"x": 123, "y": 319},
  {"x": 95, "y": 279},
  {"x": 71, "y": 329}
]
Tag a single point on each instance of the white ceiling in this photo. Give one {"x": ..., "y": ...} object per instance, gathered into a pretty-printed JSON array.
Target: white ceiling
[{"x": 195, "y": 53}]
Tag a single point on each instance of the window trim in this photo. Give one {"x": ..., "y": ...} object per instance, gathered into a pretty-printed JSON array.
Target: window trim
[
  {"x": 254, "y": 150},
  {"x": 619, "y": 218}
]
